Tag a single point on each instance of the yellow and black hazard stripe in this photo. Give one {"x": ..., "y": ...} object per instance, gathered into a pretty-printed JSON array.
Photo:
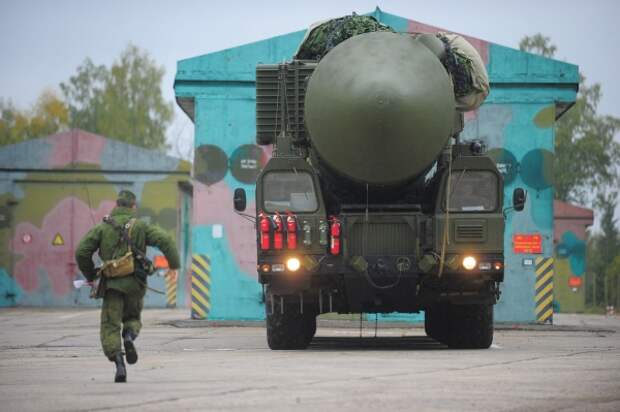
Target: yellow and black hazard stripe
[
  {"x": 201, "y": 286},
  {"x": 171, "y": 290},
  {"x": 544, "y": 290}
]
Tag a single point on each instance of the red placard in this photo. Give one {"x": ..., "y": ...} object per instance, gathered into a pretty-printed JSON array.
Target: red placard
[
  {"x": 527, "y": 243},
  {"x": 575, "y": 282}
]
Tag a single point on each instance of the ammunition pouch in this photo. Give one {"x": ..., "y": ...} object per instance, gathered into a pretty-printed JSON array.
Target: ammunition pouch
[{"x": 116, "y": 268}]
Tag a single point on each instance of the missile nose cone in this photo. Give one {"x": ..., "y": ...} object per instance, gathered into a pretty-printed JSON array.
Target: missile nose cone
[{"x": 379, "y": 108}]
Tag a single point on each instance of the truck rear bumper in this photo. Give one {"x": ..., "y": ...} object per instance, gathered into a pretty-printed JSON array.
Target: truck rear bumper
[{"x": 375, "y": 290}]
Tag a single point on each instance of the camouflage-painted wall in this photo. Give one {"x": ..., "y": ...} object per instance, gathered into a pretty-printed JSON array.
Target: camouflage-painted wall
[
  {"x": 570, "y": 239},
  {"x": 217, "y": 92},
  {"x": 54, "y": 189}
]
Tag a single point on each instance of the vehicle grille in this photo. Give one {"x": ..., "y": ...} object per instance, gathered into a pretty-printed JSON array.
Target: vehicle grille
[
  {"x": 470, "y": 232},
  {"x": 372, "y": 239}
]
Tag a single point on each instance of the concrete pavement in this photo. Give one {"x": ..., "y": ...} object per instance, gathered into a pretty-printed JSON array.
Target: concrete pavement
[{"x": 50, "y": 360}]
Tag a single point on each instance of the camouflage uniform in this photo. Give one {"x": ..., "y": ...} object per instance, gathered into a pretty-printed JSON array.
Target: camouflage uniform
[{"x": 124, "y": 296}]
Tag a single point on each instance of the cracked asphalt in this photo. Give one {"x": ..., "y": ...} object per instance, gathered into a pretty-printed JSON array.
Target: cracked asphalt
[{"x": 50, "y": 360}]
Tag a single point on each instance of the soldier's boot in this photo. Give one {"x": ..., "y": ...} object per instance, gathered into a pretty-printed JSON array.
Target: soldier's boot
[
  {"x": 121, "y": 372},
  {"x": 130, "y": 347}
]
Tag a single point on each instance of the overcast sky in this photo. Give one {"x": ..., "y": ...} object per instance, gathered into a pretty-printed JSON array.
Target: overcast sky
[{"x": 42, "y": 42}]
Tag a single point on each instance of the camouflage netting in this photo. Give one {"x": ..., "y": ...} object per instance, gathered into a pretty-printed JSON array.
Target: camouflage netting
[
  {"x": 323, "y": 37},
  {"x": 461, "y": 60},
  {"x": 469, "y": 75},
  {"x": 459, "y": 66}
]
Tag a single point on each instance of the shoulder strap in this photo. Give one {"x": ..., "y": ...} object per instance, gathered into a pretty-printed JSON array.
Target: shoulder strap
[
  {"x": 128, "y": 228},
  {"x": 122, "y": 235},
  {"x": 125, "y": 232}
]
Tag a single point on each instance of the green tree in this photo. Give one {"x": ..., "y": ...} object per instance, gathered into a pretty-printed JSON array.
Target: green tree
[
  {"x": 613, "y": 278},
  {"x": 83, "y": 94},
  {"x": 604, "y": 253},
  {"x": 48, "y": 116},
  {"x": 538, "y": 44},
  {"x": 123, "y": 101},
  {"x": 609, "y": 242},
  {"x": 594, "y": 266},
  {"x": 586, "y": 154}
]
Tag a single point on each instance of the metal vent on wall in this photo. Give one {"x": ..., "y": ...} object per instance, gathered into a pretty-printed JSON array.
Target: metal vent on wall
[{"x": 470, "y": 232}]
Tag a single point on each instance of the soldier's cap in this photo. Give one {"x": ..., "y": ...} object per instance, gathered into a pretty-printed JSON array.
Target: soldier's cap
[{"x": 126, "y": 197}]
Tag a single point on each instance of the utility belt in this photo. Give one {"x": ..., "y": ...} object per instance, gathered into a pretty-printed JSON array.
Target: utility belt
[{"x": 127, "y": 265}]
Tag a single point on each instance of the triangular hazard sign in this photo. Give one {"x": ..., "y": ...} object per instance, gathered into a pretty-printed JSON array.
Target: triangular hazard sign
[{"x": 58, "y": 240}]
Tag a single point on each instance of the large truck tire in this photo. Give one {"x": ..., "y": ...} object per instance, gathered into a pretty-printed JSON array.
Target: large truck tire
[
  {"x": 460, "y": 326},
  {"x": 469, "y": 326},
  {"x": 288, "y": 329},
  {"x": 310, "y": 326},
  {"x": 430, "y": 327},
  {"x": 436, "y": 321}
]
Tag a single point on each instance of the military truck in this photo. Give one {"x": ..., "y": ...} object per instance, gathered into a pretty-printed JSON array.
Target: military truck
[{"x": 371, "y": 203}]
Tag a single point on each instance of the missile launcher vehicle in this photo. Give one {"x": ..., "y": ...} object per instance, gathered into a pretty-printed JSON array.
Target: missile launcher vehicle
[{"x": 371, "y": 203}]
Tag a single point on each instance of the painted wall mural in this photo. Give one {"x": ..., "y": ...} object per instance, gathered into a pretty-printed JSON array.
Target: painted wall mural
[
  {"x": 570, "y": 238},
  {"x": 54, "y": 189},
  {"x": 216, "y": 90}
]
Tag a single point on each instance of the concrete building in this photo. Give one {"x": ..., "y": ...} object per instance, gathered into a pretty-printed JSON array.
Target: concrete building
[
  {"x": 217, "y": 91},
  {"x": 54, "y": 189},
  {"x": 569, "y": 238}
]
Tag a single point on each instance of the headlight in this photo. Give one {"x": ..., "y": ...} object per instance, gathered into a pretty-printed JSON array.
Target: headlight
[
  {"x": 293, "y": 264},
  {"x": 469, "y": 262}
]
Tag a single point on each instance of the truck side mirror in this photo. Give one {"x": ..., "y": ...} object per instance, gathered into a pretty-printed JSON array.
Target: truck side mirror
[
  {"x": 239, "y": 200},
  {"x": 519, "y": 196}
]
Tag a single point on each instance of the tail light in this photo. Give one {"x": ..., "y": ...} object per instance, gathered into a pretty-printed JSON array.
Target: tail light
[
  {"x": 265, "y": 228},
  {"x": 278, "y": 232},
  {"x": 334, "y": 245},
  {"x": 291, "y": 231}
]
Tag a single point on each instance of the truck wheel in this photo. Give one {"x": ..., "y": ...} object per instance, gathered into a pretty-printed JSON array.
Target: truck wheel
[
  {"x": 436, "y": 321},
  {"x": 288, "y": 330},
  {"x": 310, "y": 326},
  {"x": 428, "y": 323},
  {"x": 469, "y": 326}
]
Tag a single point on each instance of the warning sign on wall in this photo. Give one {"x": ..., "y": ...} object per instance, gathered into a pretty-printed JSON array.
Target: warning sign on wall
[
  {"x": 527, "y": 243},
  {"x": 58, "y": 240}
]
